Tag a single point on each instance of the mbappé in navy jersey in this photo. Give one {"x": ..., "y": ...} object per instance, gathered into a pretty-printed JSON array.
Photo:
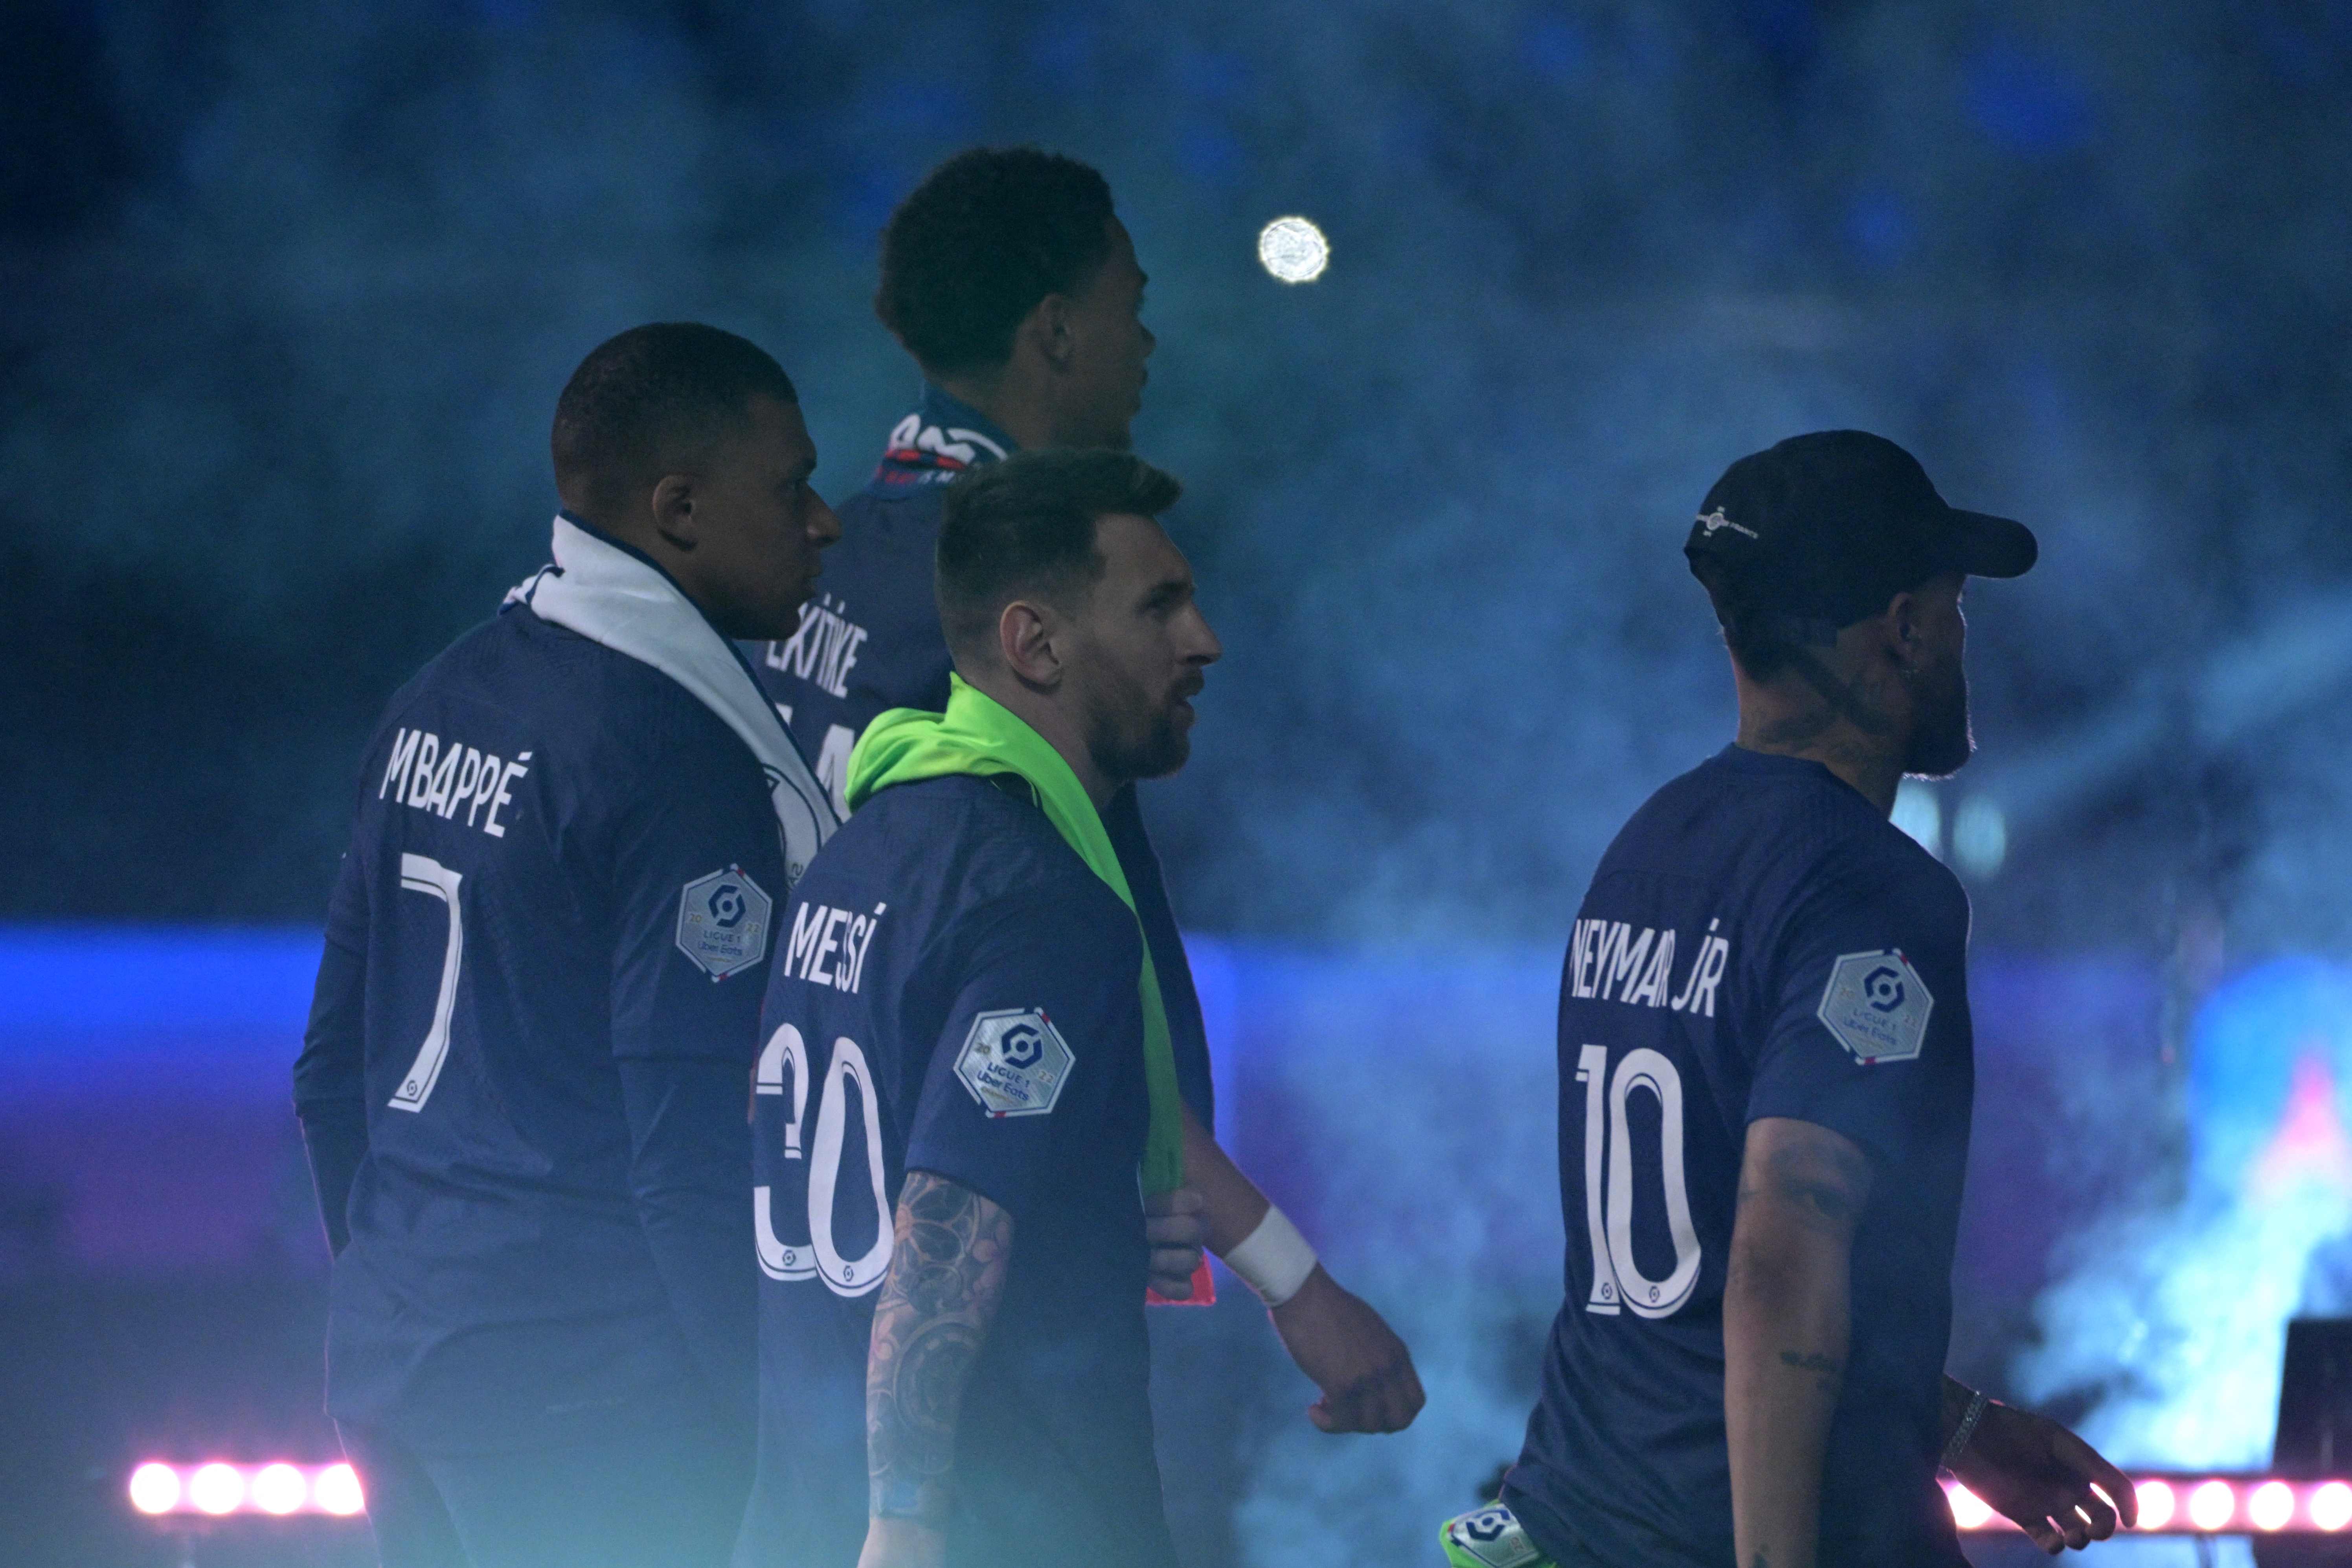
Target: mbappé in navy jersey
[
  {"x": 563, "y": 866},
  {"x": 870, "y": 641},
  {"x": 956, "y": 991},
  {"x": 1758, "y": 942}
]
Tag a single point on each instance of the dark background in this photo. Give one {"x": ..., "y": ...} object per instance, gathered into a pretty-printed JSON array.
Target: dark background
[{"x": 287, "y": 292}]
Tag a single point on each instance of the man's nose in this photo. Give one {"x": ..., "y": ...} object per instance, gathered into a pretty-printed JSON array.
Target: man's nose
[{"x": 824, "y": 527}]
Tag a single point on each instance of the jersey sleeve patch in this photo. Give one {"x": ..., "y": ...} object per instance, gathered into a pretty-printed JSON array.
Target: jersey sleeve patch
[
  {"x": 722, "y": 921},
  {"x": 1015, "y": 1062},
  {"x": 1877, "y": 1006}
]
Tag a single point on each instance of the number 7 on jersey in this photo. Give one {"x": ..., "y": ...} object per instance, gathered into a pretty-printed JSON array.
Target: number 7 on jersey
[{"x": 419, "y": 874}]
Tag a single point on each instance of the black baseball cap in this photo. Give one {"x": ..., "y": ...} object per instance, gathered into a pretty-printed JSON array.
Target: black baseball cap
[{"x": 1821, "y": 531}]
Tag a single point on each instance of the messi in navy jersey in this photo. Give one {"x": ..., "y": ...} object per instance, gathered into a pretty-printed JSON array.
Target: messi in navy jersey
[
  {"x": 1766, "y": 1087},
  {"x": 523, "y": 1083},
  {"x": 1007, "y": 278},
  {"x": 965, "y": 1093}
]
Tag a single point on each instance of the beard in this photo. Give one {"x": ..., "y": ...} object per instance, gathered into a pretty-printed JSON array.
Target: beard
[
  {"x": 1132, "y": 735},
  {"x": 1941, "y": 741}
]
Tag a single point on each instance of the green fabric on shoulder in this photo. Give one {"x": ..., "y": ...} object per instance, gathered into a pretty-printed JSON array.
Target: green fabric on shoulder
[{"x": 979, "y": 736}]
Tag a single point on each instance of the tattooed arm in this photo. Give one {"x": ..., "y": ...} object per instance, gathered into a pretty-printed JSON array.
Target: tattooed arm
[
  {"x": 1785, "y": 1318},
  {"x": 947, "y": 1271}
]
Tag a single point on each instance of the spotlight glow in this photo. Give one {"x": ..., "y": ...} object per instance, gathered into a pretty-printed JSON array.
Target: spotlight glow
[
  {"x": 216, "y": 1489},
  {"x": 2270, "y": 1506},
  {"x": 278, "y": 1488},
  {"x": 1293, "y": 249},
  {"x": 336, "y": 1491},
  {"x": 2211, "y": 1504},
  {"x": 1969, "y": 1512},
  {"x": 154, "y": 1489},
  {"x": 2156, "y": 1504},
  {"x": 2331, "y": 1506}
]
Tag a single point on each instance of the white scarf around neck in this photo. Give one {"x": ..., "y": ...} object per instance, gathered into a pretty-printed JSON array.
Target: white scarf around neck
[{"x": 609, "y": 596}]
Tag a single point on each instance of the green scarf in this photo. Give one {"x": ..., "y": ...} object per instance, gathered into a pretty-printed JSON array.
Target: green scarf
[{"x": 979, "y": 736}]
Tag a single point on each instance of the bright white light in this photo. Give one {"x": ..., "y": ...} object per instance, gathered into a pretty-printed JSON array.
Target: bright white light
[
  {"x": 1919, "y": 814},
  {"x": 1293, "y": 249},
  {"x": 216, "y": 1489},
  {"x": 2270, "y": 1506},
  {"x": 337, "y": 1491},
  {"x": 1980, "y": 837},
  {"x": 2331, "y": 1506},
  {"x": 2156, "y": 1504},
  {"x": 1969, "y": 1510},
  {"x": 278, "y": 1488},
  {"x": 2211, "y": 1504},
  {"x": 154, "y": 1489}
]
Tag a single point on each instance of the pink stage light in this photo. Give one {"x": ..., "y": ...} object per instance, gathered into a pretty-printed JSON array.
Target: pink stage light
[
  {"x": 2205, "y": 1504},
  {"x": 217, "y": 1489}
]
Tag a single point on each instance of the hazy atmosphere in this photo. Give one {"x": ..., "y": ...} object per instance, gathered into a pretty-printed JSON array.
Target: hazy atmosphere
[{"x": 286, "y": 293}]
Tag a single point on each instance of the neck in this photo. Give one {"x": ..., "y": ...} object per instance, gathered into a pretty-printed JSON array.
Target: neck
[
  {"x": 1826, "y": 722},
  {"x": 1058, "y": 727},
  {"x": 1013, "y": 403}
]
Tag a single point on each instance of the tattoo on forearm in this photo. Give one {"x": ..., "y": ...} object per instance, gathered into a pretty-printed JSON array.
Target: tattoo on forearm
[
  {"x": 948, "y": 1262},
  {"x": 1832, "y": 1370},
  {"x": 1822, "y": 1185}
]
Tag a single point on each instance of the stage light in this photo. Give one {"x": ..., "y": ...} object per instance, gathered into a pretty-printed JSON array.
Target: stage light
[
  {"x": 2156, "y": 1504},
  {"x": 278, "y": 1488},
  {"x": 2270, "y": 1506},
  {"x": 216, "y": 1489},
  {"x": 336, "y": 1491},
  {"x": 2331, "y": 1506},
  {"x": 1969, "y": 1512},
  {"x": 1293, "y": 249},
  {"x": 154, "y": 1489},
  {"x": 2211, "y": 1504}
]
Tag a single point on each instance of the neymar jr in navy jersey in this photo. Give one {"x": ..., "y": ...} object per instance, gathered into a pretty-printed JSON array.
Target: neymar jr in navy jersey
[
  {"x": 523, "y": 1083},
  {"x": 1766, "y": 1086}
]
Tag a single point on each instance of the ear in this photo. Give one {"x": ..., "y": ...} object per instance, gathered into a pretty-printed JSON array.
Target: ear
[
  {"x": 1051, "y": 331},
  {"x": 1025, "y": 640},
  {"x": 672, "y": 506}
]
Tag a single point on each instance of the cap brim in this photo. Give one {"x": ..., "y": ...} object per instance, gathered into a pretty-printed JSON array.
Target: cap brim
[{"x": 1990, "y": 546}]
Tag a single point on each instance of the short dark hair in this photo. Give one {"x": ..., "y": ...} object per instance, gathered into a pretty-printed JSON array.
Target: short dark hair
[
  {"x": 984, "y": 237},
  {"x": 1760, "y": 639},
  {"x": 655, "y": 395},
  {"x": 1026, "y": 525}
]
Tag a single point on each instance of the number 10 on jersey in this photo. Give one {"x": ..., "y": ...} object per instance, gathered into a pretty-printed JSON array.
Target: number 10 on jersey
[{"x": 1609, "y": 1205}]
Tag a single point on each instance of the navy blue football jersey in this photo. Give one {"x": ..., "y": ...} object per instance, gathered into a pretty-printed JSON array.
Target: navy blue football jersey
[
  {"x": 1758, "y": 942},
  {"x": 956, "y": 991},
  {"x": 546, "y": 952},
  {"x": 870, "y": 641}
]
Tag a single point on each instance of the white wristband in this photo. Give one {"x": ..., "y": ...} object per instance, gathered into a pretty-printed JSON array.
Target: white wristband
[{"x": 1273, "y": 1259}]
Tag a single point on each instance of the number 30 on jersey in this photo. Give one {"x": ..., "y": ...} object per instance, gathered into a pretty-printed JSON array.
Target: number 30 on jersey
[
  {"x": 818, "y": 1257},
  {"x": 1609, "y": 1204}
]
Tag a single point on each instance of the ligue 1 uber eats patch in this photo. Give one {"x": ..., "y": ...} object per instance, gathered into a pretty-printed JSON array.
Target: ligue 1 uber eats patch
[
  {"x": 1877, "y": 1006},
  {"x": 1015, "y": 1062},
  {"x": 722, "y": 921}
]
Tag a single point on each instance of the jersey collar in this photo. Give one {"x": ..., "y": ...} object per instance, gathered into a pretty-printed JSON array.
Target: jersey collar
[{"x": 943, "y": 438}]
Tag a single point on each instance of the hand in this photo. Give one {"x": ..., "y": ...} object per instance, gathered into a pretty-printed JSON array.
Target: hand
[
  {"x": 2041, "y": 1474},
  {"x": 903, "y": 1543},
  {"x": 1171, "y": 1224},
  {"x": 1363, "y": 1369}
]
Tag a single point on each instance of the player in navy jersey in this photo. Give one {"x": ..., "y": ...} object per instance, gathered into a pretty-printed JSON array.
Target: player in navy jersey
[
  {"x": 1015, "y": 289},
  {"x": 961, "y": 1094},
  {"x": 1766, "y": 1081},
  {"x": 523, "y": 1083}
]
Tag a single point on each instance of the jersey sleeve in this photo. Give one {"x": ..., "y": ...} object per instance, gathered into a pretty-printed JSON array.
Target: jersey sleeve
[
  {"x": 329, "y": 1075},
  {"x": 1870, "y": 992},
  {"x": 698, "y": 882},
  {"x": 1046, "y": 1026}
]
